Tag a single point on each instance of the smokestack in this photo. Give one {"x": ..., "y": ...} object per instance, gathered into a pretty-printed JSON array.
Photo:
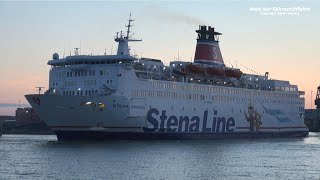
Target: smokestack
[{"x": 208, "y": 50}]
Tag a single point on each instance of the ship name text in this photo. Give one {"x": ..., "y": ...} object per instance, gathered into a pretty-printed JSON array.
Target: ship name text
[{"x": 164, "y": 123}]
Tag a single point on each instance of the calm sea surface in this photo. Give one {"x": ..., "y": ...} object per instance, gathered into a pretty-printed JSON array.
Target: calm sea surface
[{"x": 43, "y": 157}]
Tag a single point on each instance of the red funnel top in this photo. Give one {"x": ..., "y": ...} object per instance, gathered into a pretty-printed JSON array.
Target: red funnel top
[{"x": 208, "y": 50}]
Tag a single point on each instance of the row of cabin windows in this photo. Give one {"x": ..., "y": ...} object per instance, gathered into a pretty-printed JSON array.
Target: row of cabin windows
[
  {"x": 85, "y": 83},
  {"x": 81, "y": 73},
  {"x": 89, "y": 62},
  {"x": 96, "y": 62},
  {"x": 211, "y": 89},
  {"x": 201, "y": 97},
  {"x": 75, "y": 83},
  {"x": 81, "y": 92}
]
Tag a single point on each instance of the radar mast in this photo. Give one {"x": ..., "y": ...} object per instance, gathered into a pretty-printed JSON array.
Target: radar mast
[{"x": 123, "y": 48}]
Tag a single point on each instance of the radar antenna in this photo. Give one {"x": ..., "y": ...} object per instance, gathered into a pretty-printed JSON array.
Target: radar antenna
[
  {"x": 39, "y": 89},
  {"x": 76, "y": 51}
]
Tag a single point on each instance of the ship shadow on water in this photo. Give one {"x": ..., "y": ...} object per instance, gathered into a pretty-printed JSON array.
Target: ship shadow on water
[{"x": 311, "y": 138}]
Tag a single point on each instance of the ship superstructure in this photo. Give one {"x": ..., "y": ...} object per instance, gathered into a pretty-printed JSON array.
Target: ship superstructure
[{"x": 121, "y": 96}]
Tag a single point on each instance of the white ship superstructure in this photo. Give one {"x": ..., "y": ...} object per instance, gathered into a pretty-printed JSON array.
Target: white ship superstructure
[{"x": 121, "y": 96}]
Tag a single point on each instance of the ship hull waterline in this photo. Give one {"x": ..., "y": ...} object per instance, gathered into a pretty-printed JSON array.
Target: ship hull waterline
[
  {"x": 94, "y": 135},
  {"x": 84, "y": 122}
]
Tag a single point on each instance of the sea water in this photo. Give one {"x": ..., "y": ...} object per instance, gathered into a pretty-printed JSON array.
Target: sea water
[{"x": 43, "y": 157}]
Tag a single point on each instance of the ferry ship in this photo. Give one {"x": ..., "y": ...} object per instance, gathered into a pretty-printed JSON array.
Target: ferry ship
[{"x": 125, "y": 97}]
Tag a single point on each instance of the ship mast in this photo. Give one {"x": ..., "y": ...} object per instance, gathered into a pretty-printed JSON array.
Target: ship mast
[{"x": 123, "y": 48}]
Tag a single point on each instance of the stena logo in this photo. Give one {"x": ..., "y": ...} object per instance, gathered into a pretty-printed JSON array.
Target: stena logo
[
  {"x": 173, "y": 123},
  {"x": 215, "y": 52}
]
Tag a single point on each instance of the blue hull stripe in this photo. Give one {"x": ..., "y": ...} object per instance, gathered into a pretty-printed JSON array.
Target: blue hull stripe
[{"x": 94, "y": 135}]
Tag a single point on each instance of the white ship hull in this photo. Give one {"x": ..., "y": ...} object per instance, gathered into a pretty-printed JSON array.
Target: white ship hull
[{"x": 158, "y": 118}]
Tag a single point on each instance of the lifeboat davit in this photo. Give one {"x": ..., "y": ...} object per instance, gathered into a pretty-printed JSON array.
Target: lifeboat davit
[
  {"x": 215, "y": 71},
  {"x": 235, "y": 73},
  {"x": 195, "y": 69}
]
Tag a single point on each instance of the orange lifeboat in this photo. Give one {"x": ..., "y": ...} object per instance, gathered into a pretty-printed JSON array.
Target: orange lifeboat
[
  {"x": 235, "y": 73},
  {"x": 180, "y": 71},
  {"x": 195, "y": 69},
  {"x": 215, "y": 71}
]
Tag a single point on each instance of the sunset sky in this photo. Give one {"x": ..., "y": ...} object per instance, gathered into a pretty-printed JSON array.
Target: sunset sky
[{"x": 287, "y": 45}]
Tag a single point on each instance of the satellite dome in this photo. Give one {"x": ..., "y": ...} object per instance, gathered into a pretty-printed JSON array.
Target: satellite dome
[{"x": 55, "y": 56}]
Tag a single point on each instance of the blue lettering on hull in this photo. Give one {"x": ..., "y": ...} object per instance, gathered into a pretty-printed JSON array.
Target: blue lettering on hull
[{"x": 162, "y": 123}]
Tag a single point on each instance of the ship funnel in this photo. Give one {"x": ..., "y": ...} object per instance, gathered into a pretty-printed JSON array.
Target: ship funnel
[{"x": 208, "y": 50}]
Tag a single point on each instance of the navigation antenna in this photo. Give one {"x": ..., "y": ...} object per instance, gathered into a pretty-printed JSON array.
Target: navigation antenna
[
  {"x": 39, "y": 89},
  {"x": 129, "y": 25}
]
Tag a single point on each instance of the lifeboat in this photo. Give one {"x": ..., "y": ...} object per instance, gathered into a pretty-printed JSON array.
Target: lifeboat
[
  {"x": 194, "y": 69},
  {"x": 235, "y": 73},
  {"x": 180, "y": 71},
  {"x": 215, "y": 71}
]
